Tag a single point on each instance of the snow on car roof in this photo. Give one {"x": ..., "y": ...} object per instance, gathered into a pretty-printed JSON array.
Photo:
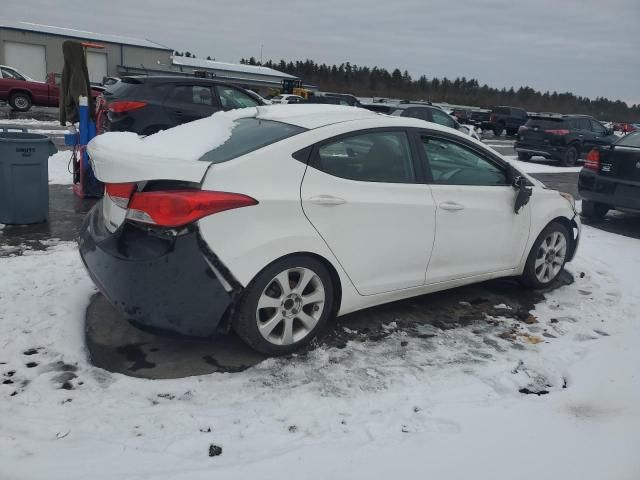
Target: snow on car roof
[{"x": 314, "y": 115}]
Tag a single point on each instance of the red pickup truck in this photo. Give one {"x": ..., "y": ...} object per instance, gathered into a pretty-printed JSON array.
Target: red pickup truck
[{"x": 22, "y": 92}]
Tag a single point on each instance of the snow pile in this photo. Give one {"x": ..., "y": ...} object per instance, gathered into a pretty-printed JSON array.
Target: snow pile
[
  {"x": 443, "y": 406},
  {"x": 60, "y": 168}
]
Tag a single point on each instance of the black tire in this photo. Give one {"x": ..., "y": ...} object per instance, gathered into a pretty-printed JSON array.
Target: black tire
[
  {"x": 246, "y": 316},
  {"x": 498, "y": 129},
  {"x": 594, "y": 210},
  {"x": 524, "y": 156},
  {"x": 511, "y": 132},
  {"x": 20, "y": 102},
  {"x": 529, "y": 276},
  {"x": 570, "y": 157}
]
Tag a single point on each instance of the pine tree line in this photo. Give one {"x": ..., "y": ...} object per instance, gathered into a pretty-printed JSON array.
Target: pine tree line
[{"x": 379, "y": 82}]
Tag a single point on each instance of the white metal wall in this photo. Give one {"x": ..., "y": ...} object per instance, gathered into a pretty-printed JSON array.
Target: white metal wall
[
  {"x": 97, "y": 66},
  {"x": 26, "y": 58}
]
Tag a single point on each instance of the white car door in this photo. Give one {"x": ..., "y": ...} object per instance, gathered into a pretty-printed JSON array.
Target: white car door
[
  {"x": 477, "y": 230},
  {"x": 360, "y": 194}
]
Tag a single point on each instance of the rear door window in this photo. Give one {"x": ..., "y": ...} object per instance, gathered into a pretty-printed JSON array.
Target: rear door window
[
  {"x": 584, "y": 124},
  {"x": 416, "y": 112},
  {"x": 369, "y": 157},
  {"x": 192, "y": 94}
]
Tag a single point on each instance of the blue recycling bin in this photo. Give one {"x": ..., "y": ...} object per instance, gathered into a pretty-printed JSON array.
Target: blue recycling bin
[{"x": 24, "y": 176}]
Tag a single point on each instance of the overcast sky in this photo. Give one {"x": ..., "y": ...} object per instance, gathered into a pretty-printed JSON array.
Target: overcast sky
[{"x": 588, "y": 47}]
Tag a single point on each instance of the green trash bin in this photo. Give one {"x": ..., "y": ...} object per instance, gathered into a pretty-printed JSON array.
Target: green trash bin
[{"x": 24, "y": 176}]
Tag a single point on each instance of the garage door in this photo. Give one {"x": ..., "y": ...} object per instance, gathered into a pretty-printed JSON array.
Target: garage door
[
  {"x": 26, "y": 58},
  {"x": 97, "y": 66}
]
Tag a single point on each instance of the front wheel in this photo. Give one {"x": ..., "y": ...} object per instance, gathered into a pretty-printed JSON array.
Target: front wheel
[
  {"x": 547, "y": 256},
  {"x": 285, "y": 306},
  {"x": 20, "y": 102}
]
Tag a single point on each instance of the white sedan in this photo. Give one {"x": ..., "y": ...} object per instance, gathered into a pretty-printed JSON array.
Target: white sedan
[
  {"x": 273, "y": 220},
  {"x": 287, "y": 98}
]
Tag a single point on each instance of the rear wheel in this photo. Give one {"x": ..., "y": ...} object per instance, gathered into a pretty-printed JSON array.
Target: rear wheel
[
  {"x": 594, "y": 210},
  {"x": 285, "y": 306},
  {"x": 498, "y": 129},
  {"x": 547, "y": 256},
  {"x": 511, "y": 132},
  {"x": 20, "y": 101},
  {"x": 570, "y": 157},
  {"x": 525, "y": 157}
]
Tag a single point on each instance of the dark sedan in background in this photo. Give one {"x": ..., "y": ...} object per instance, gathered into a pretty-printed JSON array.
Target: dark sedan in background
[
  {"x": 610, "y": 178},
  {"x": 146, "y": 105}
]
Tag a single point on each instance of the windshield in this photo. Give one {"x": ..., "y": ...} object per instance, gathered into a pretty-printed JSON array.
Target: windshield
[
  {"x": 250, "y": 134},
  {"x": 9, "y": 73},
  {"x": 631, "y": 140}
]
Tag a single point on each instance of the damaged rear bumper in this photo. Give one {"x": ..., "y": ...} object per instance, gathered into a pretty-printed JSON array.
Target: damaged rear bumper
[{"x": 160, "y": 279}]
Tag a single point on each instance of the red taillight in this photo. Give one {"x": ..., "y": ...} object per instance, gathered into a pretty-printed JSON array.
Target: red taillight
[
  {"x": 557, "y": 132},
  {"x": 177, "y": 208},
  {"x": 492, "y": 118},
  {"x": 120, "y": 193},
  {"x": 592, "y": 162},
  {"x": 121, "y": 106}
]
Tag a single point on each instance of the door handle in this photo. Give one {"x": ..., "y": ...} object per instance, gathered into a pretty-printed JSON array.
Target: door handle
[
  {"x": 327, "y": 200},
  {"x": 179, "y": 113},
  {"x": 451, "y": 206}
]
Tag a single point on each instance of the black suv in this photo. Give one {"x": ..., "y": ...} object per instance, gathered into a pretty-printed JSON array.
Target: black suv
[
  {"x": 561, "y": 137},
  {"x": 146, "y": 105},
  {"x": 506, "y": 118},
  {"x": 427, "y": 112}
]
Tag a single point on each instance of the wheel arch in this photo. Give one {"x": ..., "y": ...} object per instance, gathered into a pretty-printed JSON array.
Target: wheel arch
[
  {"x": 571, "y": 225},
  {"x": 13, "y": 91}
]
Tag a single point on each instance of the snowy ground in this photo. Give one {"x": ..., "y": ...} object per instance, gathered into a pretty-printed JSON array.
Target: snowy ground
[
  {"x": 60, "y": 168},
  {"x": 446, "y": 406}
]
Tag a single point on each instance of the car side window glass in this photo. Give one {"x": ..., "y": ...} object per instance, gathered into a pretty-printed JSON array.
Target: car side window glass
[
  {"x": 584, "y": 124},
  {"x": 453, "y": 164},
  {"x": 194, "y": 94},
  {"x": 6, "y": 73},
  {"x": 369, "y": 157},
  {"x": 442, "y": 118},
  {"x": 597, "y": 127},
  {"x": 232, "y": 98}
]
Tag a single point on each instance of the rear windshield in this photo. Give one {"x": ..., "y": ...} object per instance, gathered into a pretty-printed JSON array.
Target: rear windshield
[
  {"x": 475, "y": 115},
  {"x": 501, "y": 110},
  {"x": 122, "y": 86},
  {"x": 545, "y": 123},
  {"x": 630, "y": 140},
  {"x": 250, "y": 134}
]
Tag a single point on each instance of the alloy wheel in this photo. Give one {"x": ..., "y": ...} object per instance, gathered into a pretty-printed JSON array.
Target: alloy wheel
[
  {"x": 551, "y": 256},
  {"x": 290, "y": 306}
]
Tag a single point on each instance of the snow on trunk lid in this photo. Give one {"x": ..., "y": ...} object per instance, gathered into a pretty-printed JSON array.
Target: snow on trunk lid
[{"x": 119, "y": 157}]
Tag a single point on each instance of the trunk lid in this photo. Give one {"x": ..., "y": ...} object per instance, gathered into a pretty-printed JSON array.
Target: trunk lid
[{"x": 620, "y": 162}]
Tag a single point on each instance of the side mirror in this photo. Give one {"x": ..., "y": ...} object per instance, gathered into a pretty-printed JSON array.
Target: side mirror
[{"x": 521, "y": 185}]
